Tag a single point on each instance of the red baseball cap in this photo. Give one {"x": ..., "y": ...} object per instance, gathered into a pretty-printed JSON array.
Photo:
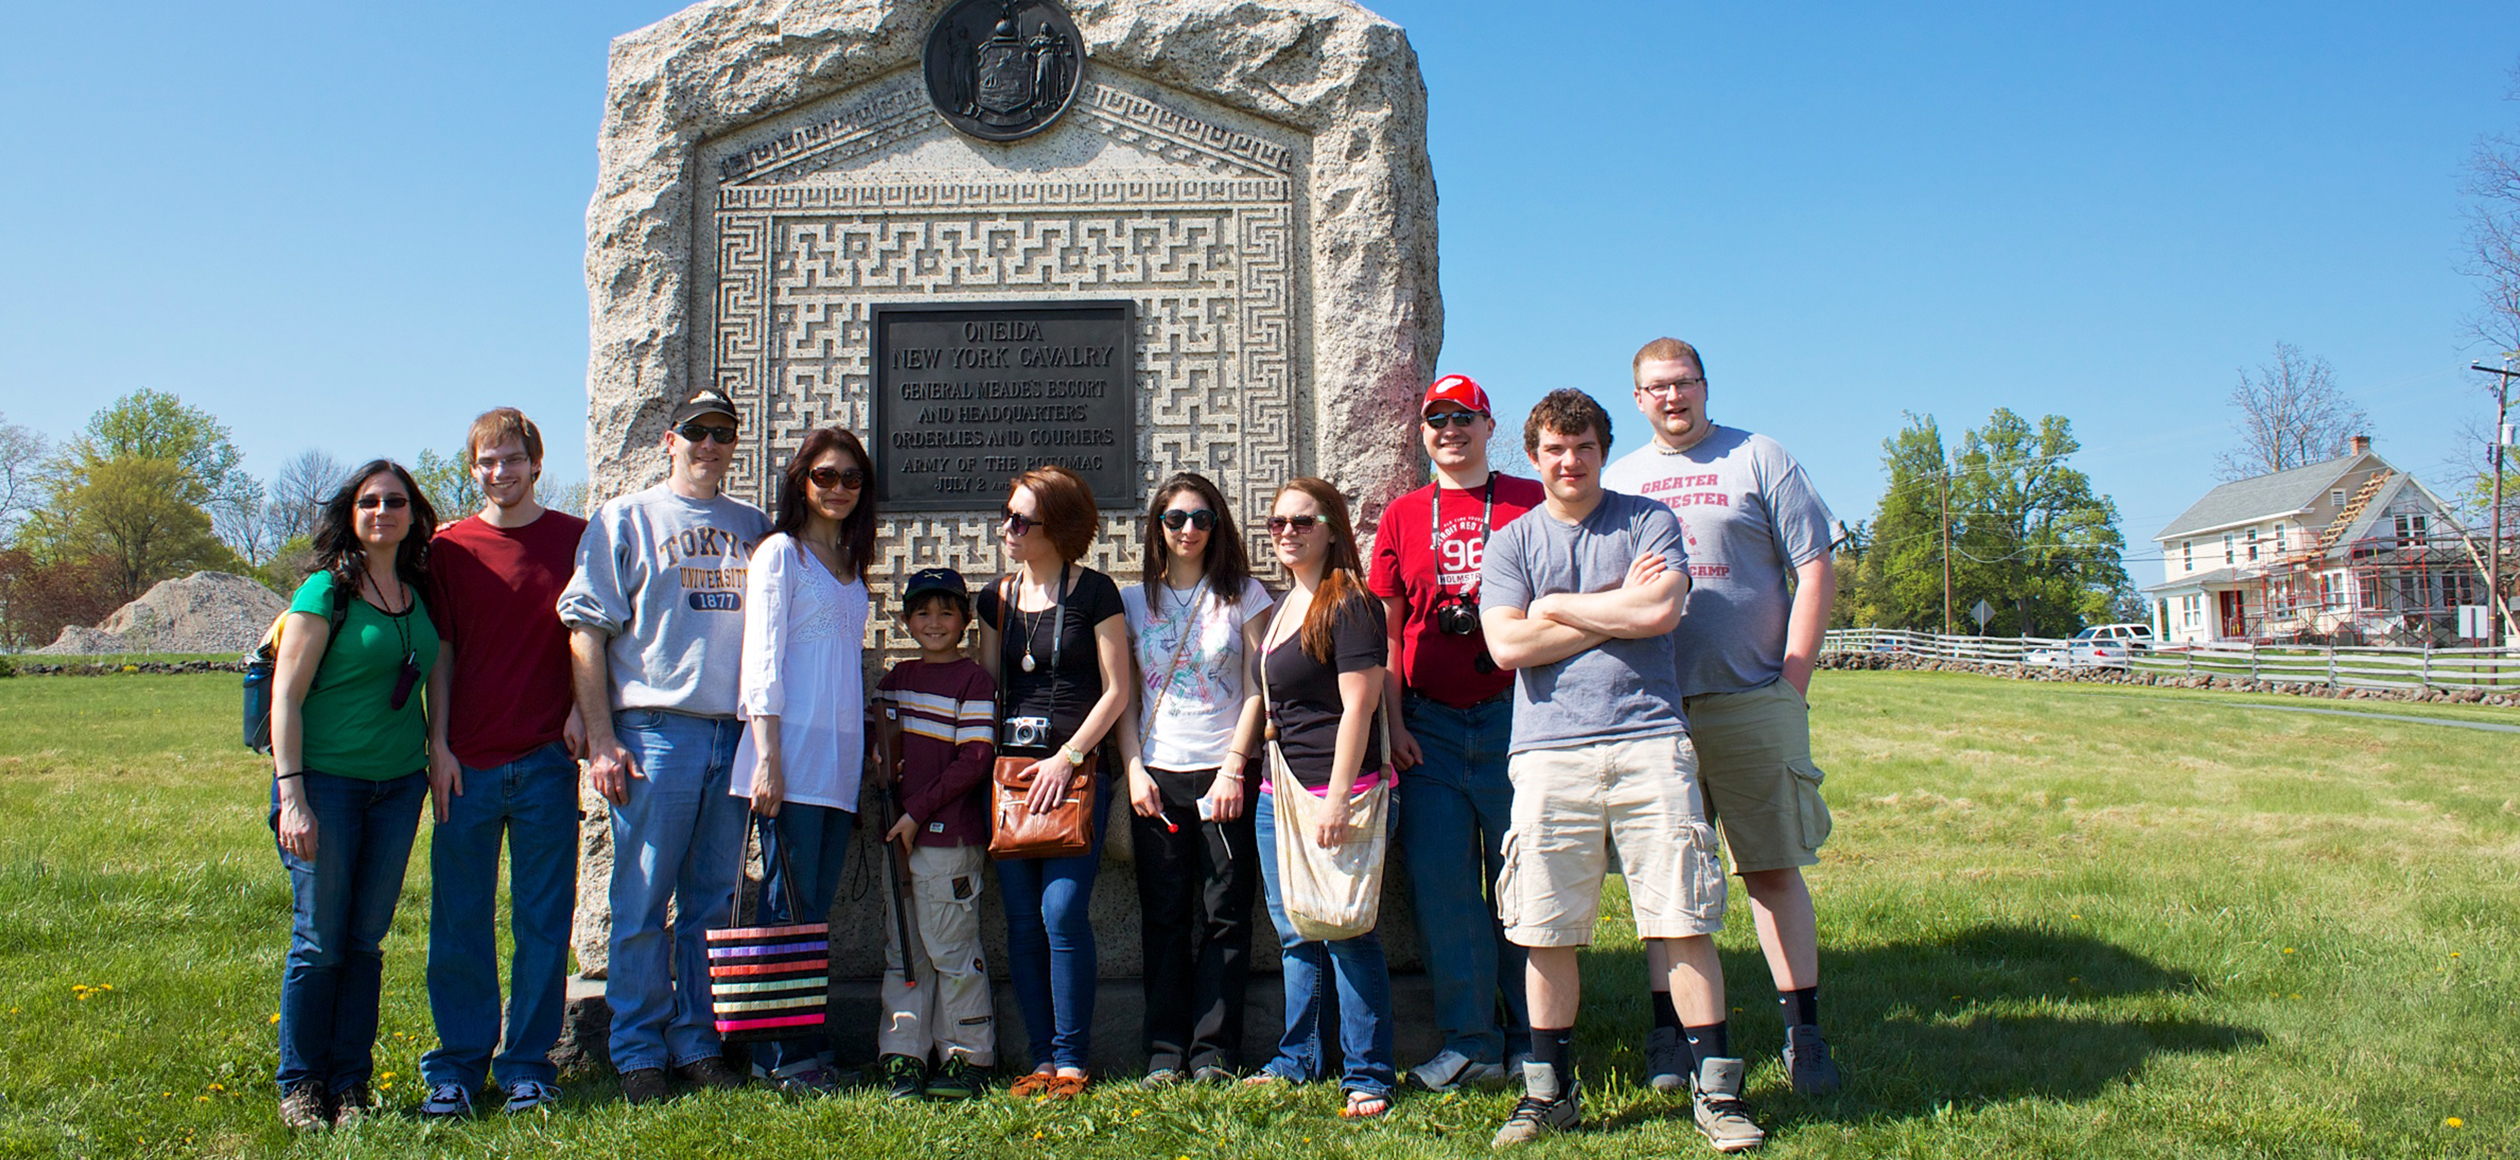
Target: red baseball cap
[{"x": 1459, "y": 389}]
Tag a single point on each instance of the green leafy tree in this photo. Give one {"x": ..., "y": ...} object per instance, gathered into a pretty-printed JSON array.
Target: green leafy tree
[
  {"x": 2028, "y": 534},
  {"x": 134, "y": 492},
  {"x": 129, "y": 514},
  {"x": 449, "y": 483},
  {"x": 1901, "y": 577}
]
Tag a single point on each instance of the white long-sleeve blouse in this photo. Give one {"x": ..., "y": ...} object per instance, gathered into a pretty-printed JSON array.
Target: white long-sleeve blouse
[{"x": 804, "y": 635}]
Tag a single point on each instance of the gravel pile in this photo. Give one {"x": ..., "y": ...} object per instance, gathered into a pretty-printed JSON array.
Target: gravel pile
[{"x": 206, "y": 612}]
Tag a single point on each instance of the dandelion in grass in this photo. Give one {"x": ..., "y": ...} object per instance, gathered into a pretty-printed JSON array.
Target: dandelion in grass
[
  {"x": 275, "y": 1018},
  {"x": 2288, "y": 950},
  {"x": 2454, "y": 1122}
]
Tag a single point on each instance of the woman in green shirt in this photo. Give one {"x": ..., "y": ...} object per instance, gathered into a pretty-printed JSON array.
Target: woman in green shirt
[{"x": 349, "y": 744}]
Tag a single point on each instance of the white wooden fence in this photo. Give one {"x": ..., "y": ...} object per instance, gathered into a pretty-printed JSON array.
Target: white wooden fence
[{"x": 2334, "y": 667}]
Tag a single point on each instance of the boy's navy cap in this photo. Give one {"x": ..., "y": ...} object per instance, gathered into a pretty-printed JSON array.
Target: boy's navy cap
[{"x": 927, "y": 580}]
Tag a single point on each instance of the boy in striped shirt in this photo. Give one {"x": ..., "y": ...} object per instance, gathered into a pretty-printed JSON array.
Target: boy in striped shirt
[{"x": 938, "y": 716}]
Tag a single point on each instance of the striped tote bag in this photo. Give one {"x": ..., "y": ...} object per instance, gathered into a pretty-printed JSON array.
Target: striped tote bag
[{"x": 770, "y": 982}]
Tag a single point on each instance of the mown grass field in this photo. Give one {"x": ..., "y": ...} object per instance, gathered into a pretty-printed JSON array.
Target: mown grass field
[{"x": 2060, "y": 920}]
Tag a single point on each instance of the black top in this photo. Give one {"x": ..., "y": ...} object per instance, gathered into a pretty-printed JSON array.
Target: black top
[
  {"x": 1092, "y": 598},
  {"x": 1304, "y": 693}
]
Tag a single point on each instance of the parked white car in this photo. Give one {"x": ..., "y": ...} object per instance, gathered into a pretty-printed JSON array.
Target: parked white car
[{"x": 2104, "y": 646}]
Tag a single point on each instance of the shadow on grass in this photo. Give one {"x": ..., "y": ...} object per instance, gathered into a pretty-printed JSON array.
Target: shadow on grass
[{"x": 1985, "y": 1015}]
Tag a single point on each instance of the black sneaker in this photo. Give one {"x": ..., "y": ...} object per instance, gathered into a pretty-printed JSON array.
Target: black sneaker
[
  {"x": 303, "y": 1106},
  {"x": 644, "y": 1085},
  {"x": 957, "y": 1080},
  {"x": 711, "y": 1072},
  {"x": 904, "y": 1078},
  {"x": 1807, "y": 1061},
  {"x": 1534, "y": 1117},
  {"x": 1666, "y": 1060}
]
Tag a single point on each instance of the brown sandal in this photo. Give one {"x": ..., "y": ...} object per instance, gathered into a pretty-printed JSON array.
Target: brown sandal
[
  {"x": 1063, "y": 1087},
  {"x": 1031, "y": 1083}
]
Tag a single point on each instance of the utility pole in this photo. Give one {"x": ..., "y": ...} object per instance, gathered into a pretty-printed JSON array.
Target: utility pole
[
  {"x": 2502, "y": 415},
  {"x": 1946, "y": 537}
]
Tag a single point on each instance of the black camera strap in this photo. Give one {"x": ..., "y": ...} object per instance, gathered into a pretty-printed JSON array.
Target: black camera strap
[{"x": 1435, "y": 524}]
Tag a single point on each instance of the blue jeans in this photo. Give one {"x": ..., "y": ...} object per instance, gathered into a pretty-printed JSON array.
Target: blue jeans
[
  {"x": 1050, "y": 943},
  {"x": 533, "y": 803},
  {"x": 815, "y": 842},
  {"x": 679, "y": 841},
  {"x": 344, "y": 903},
  {"x": 1362, "y": 976},
  {"x": 1452, "y": 839}
]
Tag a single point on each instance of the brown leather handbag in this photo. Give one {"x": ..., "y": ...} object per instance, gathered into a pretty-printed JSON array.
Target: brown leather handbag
[
  {"x": 1014, "y": 830},
  {"x": 1017, "y": 832}
]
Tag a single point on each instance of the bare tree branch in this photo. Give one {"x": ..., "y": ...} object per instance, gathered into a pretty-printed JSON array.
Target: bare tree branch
[{"x": 2291, "y": 415}]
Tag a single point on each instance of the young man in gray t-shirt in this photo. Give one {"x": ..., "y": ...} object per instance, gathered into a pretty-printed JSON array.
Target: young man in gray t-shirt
[
  {"x": 1580, "y": 598},
  {"x": 1759, "y": 541}
]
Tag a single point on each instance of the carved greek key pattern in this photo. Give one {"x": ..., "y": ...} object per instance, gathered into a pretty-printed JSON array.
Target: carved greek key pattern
[{"x": 800, "y": 251}]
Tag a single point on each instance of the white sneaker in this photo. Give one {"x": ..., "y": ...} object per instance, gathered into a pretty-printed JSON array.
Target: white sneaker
[{"x": 1451, "y": 1069}]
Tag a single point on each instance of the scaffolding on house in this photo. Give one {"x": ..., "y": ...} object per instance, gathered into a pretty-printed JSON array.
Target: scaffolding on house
[{"x": 2400, "y": 583}]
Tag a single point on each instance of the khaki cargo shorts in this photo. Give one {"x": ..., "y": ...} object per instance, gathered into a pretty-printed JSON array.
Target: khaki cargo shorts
[
  {"x": 1571, "y": 805},
  {"x": 1754, "y": 760}
]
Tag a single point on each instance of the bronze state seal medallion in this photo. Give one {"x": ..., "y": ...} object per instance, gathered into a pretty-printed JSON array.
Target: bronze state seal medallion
[{"x": 1002, "y": 70}]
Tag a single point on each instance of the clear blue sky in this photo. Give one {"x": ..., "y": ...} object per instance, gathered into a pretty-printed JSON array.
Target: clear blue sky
[{"x": 353, "y": 226}]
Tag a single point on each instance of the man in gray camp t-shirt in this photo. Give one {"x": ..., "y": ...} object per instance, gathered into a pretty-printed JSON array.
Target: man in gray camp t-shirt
[
  {"x": 656, "y": 635},
  {"x": 1761, "y": 584},
  {"x": 1579, "y": 598}
]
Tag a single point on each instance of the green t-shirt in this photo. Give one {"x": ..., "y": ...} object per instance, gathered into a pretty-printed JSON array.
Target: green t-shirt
[{"x": 351, "y": 728}]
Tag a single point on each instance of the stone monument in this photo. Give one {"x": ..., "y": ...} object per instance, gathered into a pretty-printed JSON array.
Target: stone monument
[{"x": 1131, "y": 236}]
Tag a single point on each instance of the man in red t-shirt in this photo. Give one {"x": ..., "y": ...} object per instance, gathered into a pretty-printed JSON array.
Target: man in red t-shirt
[
  {"x": 1458, "y": 718},
  {"x": 503, "y": 738}
]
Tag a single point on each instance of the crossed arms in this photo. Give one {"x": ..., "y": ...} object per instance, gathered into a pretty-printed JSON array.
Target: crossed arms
[{"x": 1646, "y": 602}]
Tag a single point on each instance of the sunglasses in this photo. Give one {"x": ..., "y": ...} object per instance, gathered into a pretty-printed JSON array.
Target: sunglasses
[
  {"x": 1441, "y": 420},
  {"x": 851, "y": 478},
  {"x": 369, "y": 503},
  {"x": 1016, "y": 523},
  {"x": 696, "y": 432},
  {"x": 1281, "y": 524},
  {"x": 1177, "y": 518}
]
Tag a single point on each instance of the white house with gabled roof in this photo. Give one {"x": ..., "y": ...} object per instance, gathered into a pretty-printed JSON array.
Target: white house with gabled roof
[{"x": 2349, "y": 551}]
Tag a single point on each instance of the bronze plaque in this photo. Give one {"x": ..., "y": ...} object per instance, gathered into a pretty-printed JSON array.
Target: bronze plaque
[
  {"x": 1002, "y": 70},
  {"x": 968, "y": 396}
]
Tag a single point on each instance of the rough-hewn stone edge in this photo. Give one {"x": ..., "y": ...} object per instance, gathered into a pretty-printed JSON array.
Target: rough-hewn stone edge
[{"x": 1328, "y": 68}]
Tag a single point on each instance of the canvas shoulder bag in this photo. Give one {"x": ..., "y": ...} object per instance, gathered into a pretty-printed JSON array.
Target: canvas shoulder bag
[{"x": 1336, "y": 893}]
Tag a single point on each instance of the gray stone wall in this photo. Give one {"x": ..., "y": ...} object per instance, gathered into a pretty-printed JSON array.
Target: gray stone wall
[{"x": 1253, "y": 177}]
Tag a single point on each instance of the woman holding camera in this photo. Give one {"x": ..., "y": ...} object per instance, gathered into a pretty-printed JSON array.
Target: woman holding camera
[
  {"x": 1323, "y": 662},
  {"x": 1054, "y": 634},
  {"x": 1194, "y": 621},
  {"x": 350, "y": 757}
]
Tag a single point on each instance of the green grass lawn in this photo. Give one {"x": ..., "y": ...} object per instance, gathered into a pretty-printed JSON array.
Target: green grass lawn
[{"x": 2059, "y": 920}]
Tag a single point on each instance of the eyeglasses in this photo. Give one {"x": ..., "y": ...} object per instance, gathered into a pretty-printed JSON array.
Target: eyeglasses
[
  {"x": 1675, "y": 388},
  {"x": 1177, "y": 518},
  {"x": 1279, "y": 525},
  {"x": 851, "y": 478},
  {"x": 369, "y": 503},
  {"x": 1017, "y": 524},
  {"x": 696, "y": 432},
  {"x": 1443, "y": 419}
]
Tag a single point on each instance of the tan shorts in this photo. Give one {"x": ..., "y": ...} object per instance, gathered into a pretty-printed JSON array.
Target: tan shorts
[
  {"x": 1754, "y": 758},
  {"x": 1571, "y": 805}
]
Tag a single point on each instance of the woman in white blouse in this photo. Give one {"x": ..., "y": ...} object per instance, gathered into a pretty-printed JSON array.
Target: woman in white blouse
[
  {"x": 1194, "y": 627},
  {"x": 805, "y": 612}
]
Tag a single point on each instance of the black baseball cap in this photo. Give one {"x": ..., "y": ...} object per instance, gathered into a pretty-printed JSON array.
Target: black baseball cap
[
  {"x": 706, "y": 401},
  {"x": 927, "y": 580}
]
